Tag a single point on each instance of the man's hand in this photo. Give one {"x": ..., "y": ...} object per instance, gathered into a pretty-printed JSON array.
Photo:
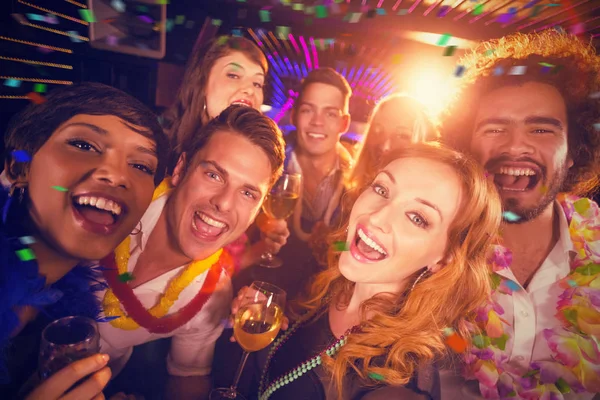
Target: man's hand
[
  {"x": 54, "y": 388},
  {"x": 244, "y": 295},
  {"x": 275, "y": 233}
]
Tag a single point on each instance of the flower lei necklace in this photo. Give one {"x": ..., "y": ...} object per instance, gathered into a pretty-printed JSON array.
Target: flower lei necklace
[
  {"x": 575, "y": 363},
  {"x": 156, "y": 320}
]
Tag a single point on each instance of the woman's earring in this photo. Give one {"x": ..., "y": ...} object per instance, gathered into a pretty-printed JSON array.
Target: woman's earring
[
  {"x": 426, "y": 271},
  {"x": 15, "y": 191},
  {"x": 139, "y": 230}
]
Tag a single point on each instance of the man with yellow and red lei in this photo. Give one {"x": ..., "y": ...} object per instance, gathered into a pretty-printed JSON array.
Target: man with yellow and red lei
[
  {"x": 527, "y": 113},
  {"x": 171, "y": 277}
]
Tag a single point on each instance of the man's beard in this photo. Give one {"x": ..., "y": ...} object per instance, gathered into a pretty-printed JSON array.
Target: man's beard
[{"x": 526, "y": 214}]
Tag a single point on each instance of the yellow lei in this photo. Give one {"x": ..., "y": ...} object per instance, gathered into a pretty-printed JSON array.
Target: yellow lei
[{"x": 111, "y": 304}]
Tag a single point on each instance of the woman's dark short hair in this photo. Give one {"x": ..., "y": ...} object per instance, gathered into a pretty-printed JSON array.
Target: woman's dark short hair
[
  {"x": 251, "y": 124},
  {"x": 32, "y": 127}
]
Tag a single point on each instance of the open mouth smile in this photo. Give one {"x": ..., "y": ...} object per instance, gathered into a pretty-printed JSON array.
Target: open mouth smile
[
  {"x": 206, "y": 227},
  {"x": 366, "y": 248},
  {"x": 98, "y": 213},
  {"x": 516, "y": 178}
]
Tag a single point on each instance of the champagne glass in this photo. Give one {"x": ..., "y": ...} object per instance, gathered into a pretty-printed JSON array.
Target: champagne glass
[
  {"x": 67, "y": 340},
  {"x": 256, "y": 325},
  {"x": 280, "y": 204}
]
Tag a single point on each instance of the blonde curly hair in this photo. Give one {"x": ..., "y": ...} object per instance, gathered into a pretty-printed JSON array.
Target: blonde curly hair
[{"x": 551, "y": 57}]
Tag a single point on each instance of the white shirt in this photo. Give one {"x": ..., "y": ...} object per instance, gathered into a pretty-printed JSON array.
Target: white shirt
[
  {"x": 192, "y": 346},
  {"x": 528, "y": 311}
]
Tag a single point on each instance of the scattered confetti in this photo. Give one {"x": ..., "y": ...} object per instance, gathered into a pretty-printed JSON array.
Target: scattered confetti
[
  {"x": 354, "y": 17},
  {"x": 536, "y": 11},
  {"x": 577, "y": 29},
  {"x": 165, "y": 2},
  {"x": 125, "y": 277},
  {"x": 236, "y": 32},
  {"x": 498, "y": 71},
  {"x": 510, "y": 216},
  {"x": 36, "y": 17},
  {"x": 112, "y": 40},
  {"x": 381, "y": 11},
  {"x": 283, "y": 32},
  {"x": 169, "y": 25},
  {"x": 444, "y": 10},
  {"x": 179, "y": 19},
  {"x": 298, "y": 7},
  {"x": 265, "y": 15},
  {"x": 518, "y": 70},
  {"x": 478, "y": 9},
  {"x": 36, "y": 98},
  {"x": 449, "y": 51},
  {"x": 597, "y": 126},
  {"x": 25, "y": 254},
  {"x": 404, "y": 11},
  {"x": 531, "y": 4},
  {"x": 376, "y": 376},
  {"x": 572, "y": 283},
  {"x": 512, "y": 285},
  {"x": 87, "y": 15},
  {"x": 190, "y": 24},
  {"x": 217, "y": 22},
  {"x": 460, "y": 69},
  {"x": 505, "y": 18},
  {"x": 143, "y": 9},
  {"x": 40, "y": 88},
  {"x": 444, "y": 39},
  {"x": 20, "y": 156},
  {"x": 489, "y": 52},
  {"x": 321, "y": 11},
  {"x": 51, "y": 19},
  {"x": 74, "y": 36},
  {"x": 595, "y": 95},
  {"x": 27, "y": 240},
  {"x": 341, "y": 246},
  {"x": 118, "y": 5},
  {"x": 12, "y": 83},
  {"x": 60, "y": 188},
  {"x": 19, "y": 18},
  {"x": 145, "y": 19}
]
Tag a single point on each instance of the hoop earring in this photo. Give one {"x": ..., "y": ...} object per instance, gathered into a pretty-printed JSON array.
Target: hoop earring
[
  {"x": 419, "y": 278},
  {"x": 139, "y": 230}
]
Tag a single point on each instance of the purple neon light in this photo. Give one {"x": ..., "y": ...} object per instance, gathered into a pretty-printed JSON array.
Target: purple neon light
[
  {"x": 477, "y": 18},
  {"x": 379, "y": 4},
  {"x": 288, "y": 104},
  {"x": 396, "y": 5},
  {"x": 306, "y": 55},
  {"x": 314, "y": 52},
  {"x": 432, "y": 7},
  {"x": 550, "y": 16},
  {"x": 293, "y": 41},
  {"x": 566, "y": 19}
]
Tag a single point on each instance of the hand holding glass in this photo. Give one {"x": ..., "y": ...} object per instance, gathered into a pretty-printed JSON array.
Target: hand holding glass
[
  {"x": 256, "y": 325},
  {"x": 280, "y": 204}
]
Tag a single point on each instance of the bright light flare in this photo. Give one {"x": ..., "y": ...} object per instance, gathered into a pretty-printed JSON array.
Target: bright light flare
[{"x": 433, "y": 87}]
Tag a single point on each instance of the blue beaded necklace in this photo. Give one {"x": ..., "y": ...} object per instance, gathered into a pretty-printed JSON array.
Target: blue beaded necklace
[{"x": 264, "y": 390}]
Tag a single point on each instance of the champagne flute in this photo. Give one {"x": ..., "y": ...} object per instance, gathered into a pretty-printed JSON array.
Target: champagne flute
[
  {"x": 67, "y": 340},
  {"x": 256, "y": 325},
  {"x": 280, "y": 204}
]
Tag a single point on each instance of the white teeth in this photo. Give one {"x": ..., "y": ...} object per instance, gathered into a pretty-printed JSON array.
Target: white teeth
[
  {"x": 240, "y": 103},
  {"x": 100, "y": 203},
  {"x": 517, "y": 171},
  {"x": 370, "y": 242},
  {"x": 316, "y": 135},
  {"x": 208, "y": 220}
]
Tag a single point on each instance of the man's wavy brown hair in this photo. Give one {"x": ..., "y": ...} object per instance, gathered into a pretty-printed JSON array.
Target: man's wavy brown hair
[
  {"x": 574, "y": 71},
  {"x": 404, "y": 331}
]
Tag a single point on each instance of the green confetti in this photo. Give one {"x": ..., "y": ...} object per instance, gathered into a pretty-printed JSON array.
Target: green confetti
[
  {"x": 448, "y": 331},
  {"x": 125, "y": 277},
  {"x": 217, "y": 22},
  {"x": 321, "y": 11},
  {"x": 377, "y": 377},
  {"x": 283, "y": 32},
  {"x": 449, "y": 51},
  {"x": 543, "y": 64},
  {"x": 581, "y": 206},
  {"x": 169, "y": 25},
  {"x": 354, "y": 17},
  {"x": 241, "y": 1},
  {"x": 162, "y": 1},
  {"x": 298, "y": 7},
  {"x": 309, "y": 10},
  {"x": 179, "y": 20},
  {"x": 489, "y": 52},
  {"x": 25, "y": 254},
  {"x": 60, "y": 188},
  {"x": 87, "y": 15},
  {"x": 478, "y": 9},
  {"x": 143, "y": 9},
  {"x": 444, "y": 39},
  {"x": 40, "y": 88},
  {"x": 265, "y": 15},
  {"x": 404, "y": 11},
  {"x": 341, "y": 246}
]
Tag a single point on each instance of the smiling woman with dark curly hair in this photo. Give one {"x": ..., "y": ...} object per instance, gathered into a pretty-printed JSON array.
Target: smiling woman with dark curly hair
[{"x": 550, "y": 57}]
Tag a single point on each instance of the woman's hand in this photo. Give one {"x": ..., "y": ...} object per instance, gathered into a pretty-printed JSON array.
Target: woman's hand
[
  {"x": 54, "y": 388},
  {"x": 243, "y": 295}
]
